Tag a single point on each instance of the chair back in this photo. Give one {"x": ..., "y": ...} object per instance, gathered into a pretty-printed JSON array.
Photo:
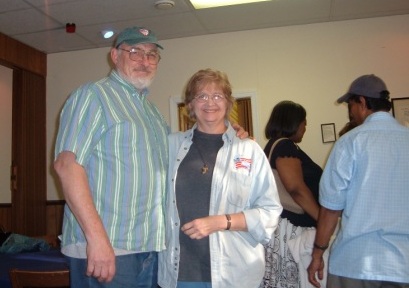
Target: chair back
[{"x": 28, "y": 278}]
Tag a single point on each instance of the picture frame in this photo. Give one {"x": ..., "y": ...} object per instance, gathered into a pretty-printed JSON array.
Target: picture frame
[
  {"x": 328, "y": 132},
  {"x": 400, "y": 110}
]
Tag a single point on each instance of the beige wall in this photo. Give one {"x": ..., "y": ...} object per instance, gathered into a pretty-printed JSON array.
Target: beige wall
[
  {"x": 309, "y": 64},
  {"x": 6, "y": 81}
]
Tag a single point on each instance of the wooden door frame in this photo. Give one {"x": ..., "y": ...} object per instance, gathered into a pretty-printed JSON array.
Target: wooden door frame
[{"x": 29, "y": 195}]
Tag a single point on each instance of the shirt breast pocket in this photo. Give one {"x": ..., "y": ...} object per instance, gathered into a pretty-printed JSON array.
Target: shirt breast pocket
[{"x": 239, "y": 191}]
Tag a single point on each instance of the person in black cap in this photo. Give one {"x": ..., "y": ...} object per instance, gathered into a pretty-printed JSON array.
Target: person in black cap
[
  {"x": 365, "y": 182},
  {"x": 111, "y": 157}
]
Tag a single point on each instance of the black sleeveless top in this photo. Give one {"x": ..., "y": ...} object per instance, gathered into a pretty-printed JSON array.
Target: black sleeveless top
[{"x": 311, "y": 173}]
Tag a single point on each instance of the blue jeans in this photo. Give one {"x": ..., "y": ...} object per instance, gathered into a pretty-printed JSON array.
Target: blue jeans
[
  {"x": 139, "y": 270},
  {"x": 194, "y": 285}
]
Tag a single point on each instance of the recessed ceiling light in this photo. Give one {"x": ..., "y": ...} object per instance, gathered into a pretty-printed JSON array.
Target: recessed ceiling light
[
  {"x": 107, "y": 34},
  {"x": 201, "y": 4}
]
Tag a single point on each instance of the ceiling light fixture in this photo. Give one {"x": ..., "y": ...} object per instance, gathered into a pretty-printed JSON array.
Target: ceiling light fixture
[
  {"x": 107, "y": 34},
  {"x": 164, "y": 4},
  {"x": 202, "y": 4}
]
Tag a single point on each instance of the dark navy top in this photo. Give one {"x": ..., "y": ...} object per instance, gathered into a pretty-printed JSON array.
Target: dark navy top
[{"x": 311, "y": 173}]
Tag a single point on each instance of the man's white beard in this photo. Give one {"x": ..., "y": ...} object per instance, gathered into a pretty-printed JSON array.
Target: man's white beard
[{"x": 141, "y": 83}]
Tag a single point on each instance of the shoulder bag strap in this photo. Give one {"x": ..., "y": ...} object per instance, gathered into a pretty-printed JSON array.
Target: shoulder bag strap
[{"x": 273, "y": 146}]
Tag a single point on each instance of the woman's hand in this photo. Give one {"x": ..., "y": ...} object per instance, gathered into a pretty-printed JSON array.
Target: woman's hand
[{"x": 203, "y": 227}]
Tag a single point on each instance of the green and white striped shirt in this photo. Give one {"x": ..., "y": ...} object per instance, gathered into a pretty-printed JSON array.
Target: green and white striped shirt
[{"x": 120, "y": 138}]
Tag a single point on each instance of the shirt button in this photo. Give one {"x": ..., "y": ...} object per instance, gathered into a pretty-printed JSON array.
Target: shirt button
[{"x": 176, "y": 224}]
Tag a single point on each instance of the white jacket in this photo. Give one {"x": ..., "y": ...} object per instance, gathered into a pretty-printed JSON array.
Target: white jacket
[{"x": 237, "y": 257}]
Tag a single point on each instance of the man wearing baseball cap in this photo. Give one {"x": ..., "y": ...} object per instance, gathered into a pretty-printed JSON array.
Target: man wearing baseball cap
[
  {"x": 365, "y": 182},
  {"x": 111, "y": 157}
]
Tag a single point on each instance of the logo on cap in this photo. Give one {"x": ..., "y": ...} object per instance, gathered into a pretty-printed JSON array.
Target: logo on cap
[{"x": 144, "y": 32}]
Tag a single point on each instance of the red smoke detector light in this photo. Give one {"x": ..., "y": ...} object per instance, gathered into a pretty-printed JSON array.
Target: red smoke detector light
[{"x": 70, "y": 28}]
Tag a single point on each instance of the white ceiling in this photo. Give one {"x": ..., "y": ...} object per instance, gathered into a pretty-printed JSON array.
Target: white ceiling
[{"x": 41, "y": 23}]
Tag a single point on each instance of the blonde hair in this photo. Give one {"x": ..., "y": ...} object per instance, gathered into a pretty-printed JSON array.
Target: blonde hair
[{"x": 204, "y": 77}]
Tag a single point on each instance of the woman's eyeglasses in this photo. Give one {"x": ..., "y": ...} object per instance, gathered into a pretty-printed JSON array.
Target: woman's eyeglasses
[{"x": 203, "y": 98}]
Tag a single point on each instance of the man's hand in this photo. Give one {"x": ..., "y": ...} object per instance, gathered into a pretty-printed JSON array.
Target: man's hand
[
  {"x": 101, "y": 261},
  {"x": 240, "y": 132},
  {"x": 74, "y": 180}
]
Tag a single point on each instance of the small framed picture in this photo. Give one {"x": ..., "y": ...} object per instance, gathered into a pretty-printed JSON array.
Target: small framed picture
[
  {"x": 400, "y": 110},
  {"x": 328, "y": 132}
]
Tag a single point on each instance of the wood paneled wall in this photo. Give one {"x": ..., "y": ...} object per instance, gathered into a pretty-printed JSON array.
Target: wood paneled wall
[
  {"x": 54, "y": 212},
  {"x": 16, "y": 54},
  {"x": 28, "y": 208},
  {"x": 5, "y": 216},
  {"x": 29, "y": 192}
]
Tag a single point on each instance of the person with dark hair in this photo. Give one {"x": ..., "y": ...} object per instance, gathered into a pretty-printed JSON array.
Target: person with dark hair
[
  {"x": 365, "y": 182},
  {"x": 300, "y": 176},
  {"x": 347, "y": 127},
  {"x": 222, "y": 202}
]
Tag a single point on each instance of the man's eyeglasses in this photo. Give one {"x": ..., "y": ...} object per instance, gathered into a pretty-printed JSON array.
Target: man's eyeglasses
[
  {"x": 136, "y": 54},
  {"x": 203, "y": 98}
]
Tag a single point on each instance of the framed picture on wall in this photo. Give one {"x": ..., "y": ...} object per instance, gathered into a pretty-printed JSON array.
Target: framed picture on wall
[
  {"x": 328, "y": 132},
  {"x": 400, "y": 110}
]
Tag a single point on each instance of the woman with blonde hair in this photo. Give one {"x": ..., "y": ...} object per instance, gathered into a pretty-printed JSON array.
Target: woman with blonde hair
[{"x": 222, "y": 202}]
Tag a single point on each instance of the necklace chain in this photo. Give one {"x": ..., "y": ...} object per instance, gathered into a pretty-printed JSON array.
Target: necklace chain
[{"x": 205, "y": 168}]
